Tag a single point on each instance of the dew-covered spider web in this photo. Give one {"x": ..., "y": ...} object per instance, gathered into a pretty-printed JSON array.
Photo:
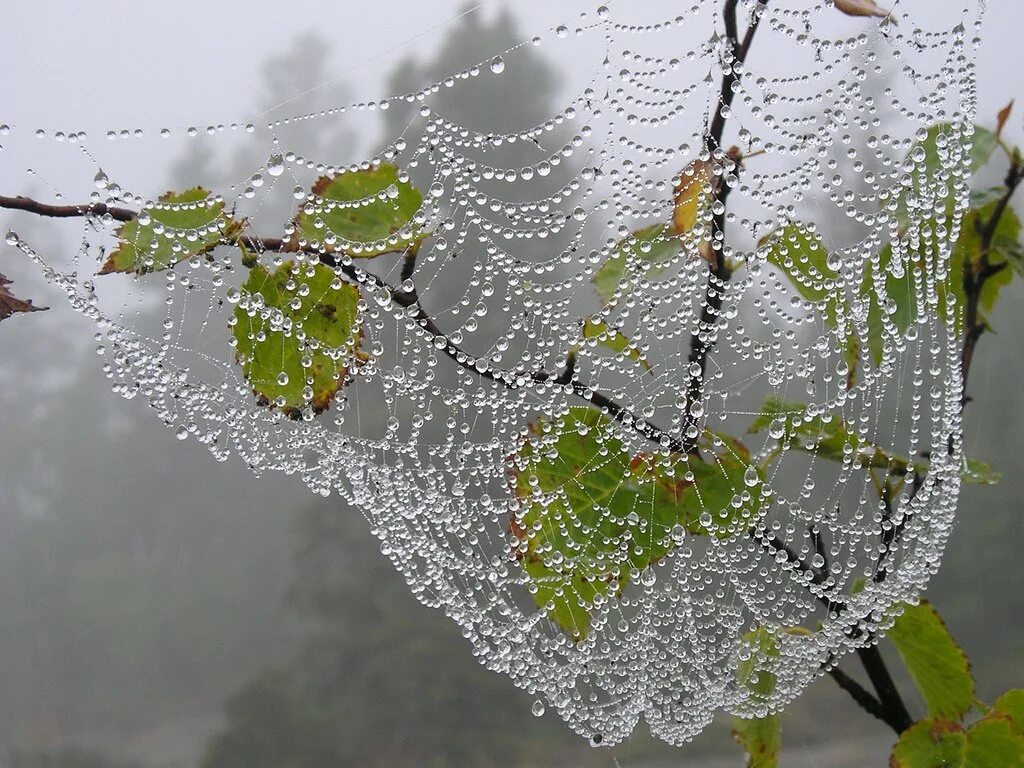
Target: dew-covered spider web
[{"x": 658, "y": 399}]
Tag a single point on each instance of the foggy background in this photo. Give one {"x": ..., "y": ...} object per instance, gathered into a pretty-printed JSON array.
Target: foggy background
[{"x": 158, "y": 609}]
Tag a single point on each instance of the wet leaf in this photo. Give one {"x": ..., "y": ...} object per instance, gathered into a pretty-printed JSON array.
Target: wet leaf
[
  {"x": 178, "y": 227},
  {"x": 592, "y": 516},
  {"x": 692, "y": 196},
  {"x": 644, "y": 253},
  {"x": 934, "y": 661},
  {"x": 363, "y": 213},
  {"x": 614, "y": 340},
  {"x": 291, "y": 316},
  {"x": 800, "y": 254},
  {"x": 900, "y": 308},
  {"x": 760, "y": 737},
  {"x": 826, "y": 436},
  {"x": 11, "y": 304},
  {"x": 942, "y": 146}
]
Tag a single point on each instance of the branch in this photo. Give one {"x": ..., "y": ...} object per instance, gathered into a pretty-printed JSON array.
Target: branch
[
  {"x": 406, "y": 299},
  {"x": 92, "y": 210},
  {"x": 896, "y": 714},
  {"x": 975, "y": 276},
  {"x": 859, "y": 694},
  {"x": 703, "y": 340}
]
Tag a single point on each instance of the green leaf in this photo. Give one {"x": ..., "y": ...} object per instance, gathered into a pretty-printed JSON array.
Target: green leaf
[
  {"x": 899, "y": 291},
  {"x": 801, "y": 255},
  {"x": 941, "y": 134},
  {"x": 192, "y": 223},
  {"x": 980, "y": 473},
  {"x": 990, "y": 742},
  {"x": 363, "y": 213},
  {"x": 930, "y": 744},
  {"x": 614, "y": 340},
  {"x": 644, "y": 252},
  {"x": 297, "y": 311},
  {"x": 827, "y": 436},
  {"x": 936, "y": 663},
  {"x": 760, "y": 737},
  {"x": 592, "y": 516},
  {"x": 1011, "y": 706}
]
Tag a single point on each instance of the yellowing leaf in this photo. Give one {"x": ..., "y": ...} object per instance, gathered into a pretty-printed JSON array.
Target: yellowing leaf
[
  {"x": 934, "y": 661},
  {"x": 692, "y": 196},
  {"x": 363, "y": 213},
  {"x": 297, "y": 333},
  {"x": 179, "y": 226},
  {"x": 614, "y": 339}
]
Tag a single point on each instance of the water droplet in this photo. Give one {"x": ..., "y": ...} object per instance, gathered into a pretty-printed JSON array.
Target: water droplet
[
  {"x": 497, "y": 65},
  {"x": 275, "y": 165}
]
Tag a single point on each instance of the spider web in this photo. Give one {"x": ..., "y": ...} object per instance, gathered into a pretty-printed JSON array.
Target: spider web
[{"x": 468, "y": 432}]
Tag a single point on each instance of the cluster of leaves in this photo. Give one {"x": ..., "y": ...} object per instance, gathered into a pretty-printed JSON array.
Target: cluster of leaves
[
  {"x": 296, "y": 329},
  {"x": 958, "y": 732},
  {"x": 593, "y": 516}
]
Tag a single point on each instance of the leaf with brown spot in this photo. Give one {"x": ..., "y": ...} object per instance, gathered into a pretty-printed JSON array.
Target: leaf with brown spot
[
  {"x": 175, "y": 228},
  {"x": 297, "y": 335},
  {"x": 11, "y": 304}
]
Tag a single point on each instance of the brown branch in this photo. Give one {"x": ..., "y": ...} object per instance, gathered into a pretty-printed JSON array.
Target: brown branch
[{"x": 96, "y": 210}]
